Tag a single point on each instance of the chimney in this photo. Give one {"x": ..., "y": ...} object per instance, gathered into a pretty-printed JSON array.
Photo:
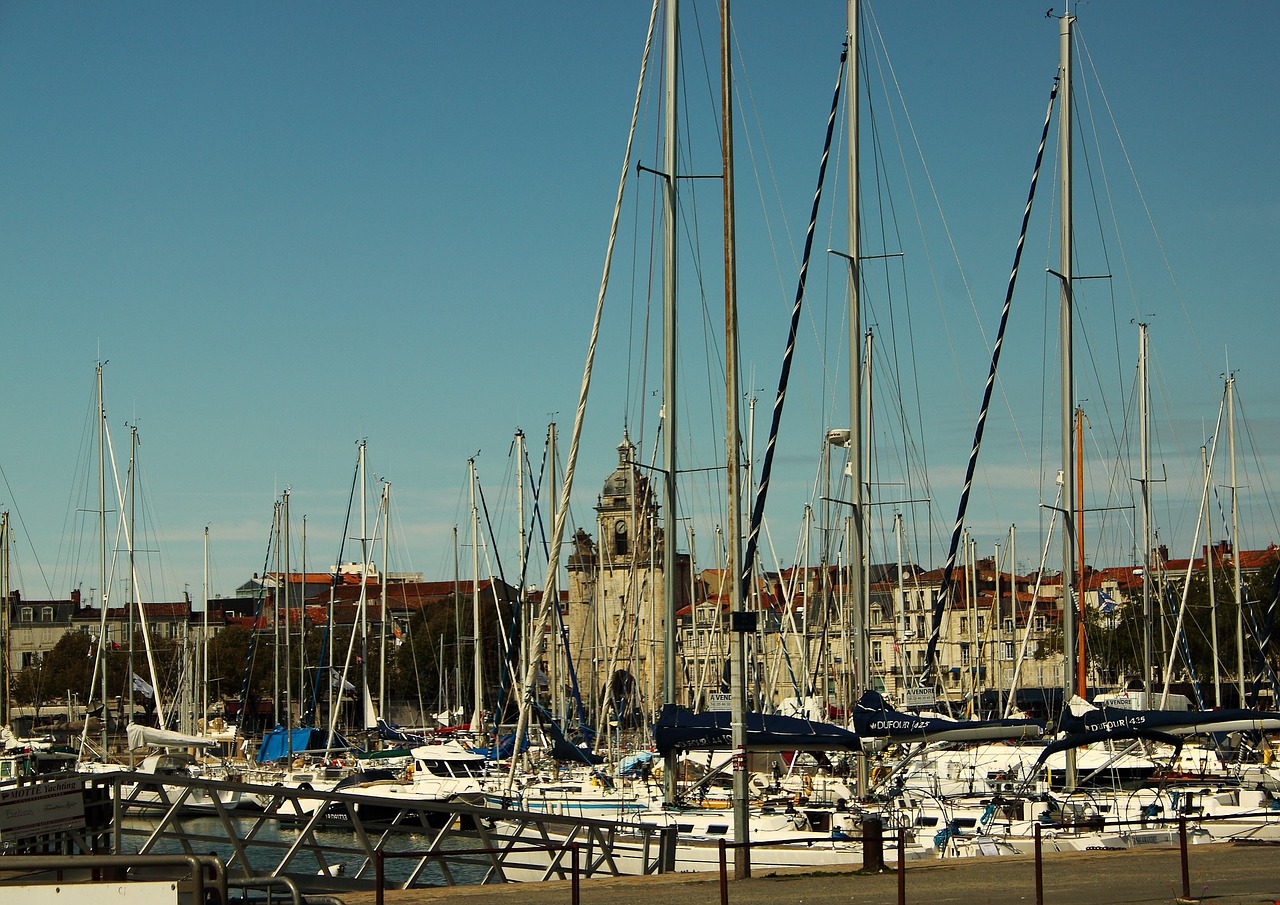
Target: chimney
[{"x": 75, "y": 598}]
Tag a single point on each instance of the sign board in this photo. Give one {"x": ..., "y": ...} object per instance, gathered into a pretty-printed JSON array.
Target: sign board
[
  {"x": 39, "y": 808},
  {"x": 919, "y": 697},
  {"x": 162, "y": 892},
  {"x": 719, "y": 700}
]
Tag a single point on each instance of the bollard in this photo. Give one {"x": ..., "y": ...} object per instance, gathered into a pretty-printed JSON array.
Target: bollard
[
  {"x": 902, "y": 866},
  {"x": 576, "y": 895},
  {"x": 873, "y": 844},
  {"x": 724, "y": 873},
  {"x": 1039, "y": 868},
  {"x": 380, "y": 876},
  {"x": 1182, "y": 845},
  {"x": 667, "y": 843}
]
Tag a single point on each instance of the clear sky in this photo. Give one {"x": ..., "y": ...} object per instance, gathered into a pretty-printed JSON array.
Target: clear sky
[{"x": 287, "y": 227}]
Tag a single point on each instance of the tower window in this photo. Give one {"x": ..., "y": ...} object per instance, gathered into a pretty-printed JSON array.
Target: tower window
[{"x": 620, "y": 538}]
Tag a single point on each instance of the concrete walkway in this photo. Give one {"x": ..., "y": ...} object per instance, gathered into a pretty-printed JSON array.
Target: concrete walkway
[{"x": 1223, "y": 874}]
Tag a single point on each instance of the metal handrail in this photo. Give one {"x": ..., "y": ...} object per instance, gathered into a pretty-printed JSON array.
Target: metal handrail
[{"x": 196, "y": 863}]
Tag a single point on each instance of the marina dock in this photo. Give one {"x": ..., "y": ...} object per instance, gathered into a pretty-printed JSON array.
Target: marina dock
[{"x": 1224, "y": 874}]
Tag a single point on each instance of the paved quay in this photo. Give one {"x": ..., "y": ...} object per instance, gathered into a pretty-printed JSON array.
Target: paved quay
[{"x": 1221, "y": 874}]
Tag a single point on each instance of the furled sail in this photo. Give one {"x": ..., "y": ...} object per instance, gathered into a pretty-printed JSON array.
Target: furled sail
[
  {"x": 874, "y": 718},
  {"x": 680, "y": 729}
]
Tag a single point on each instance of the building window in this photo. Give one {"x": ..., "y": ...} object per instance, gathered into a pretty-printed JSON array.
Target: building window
[
  {"x": 46, "y": 614},
  {"x": 620, "y": 538},
  {"x": 1008, "y": 626},
  {"x": 964, "y": 654},
  {"x": 25, "y": 614},
  {"x": 877, "y": 655},
  {"x": 964, "y": 624},
  {"x": 982, "y": 625},
  {"x": 1037, "y": 624},
  {"x": 1008, "y": 650},
  {"x": 876, "y": 617}
]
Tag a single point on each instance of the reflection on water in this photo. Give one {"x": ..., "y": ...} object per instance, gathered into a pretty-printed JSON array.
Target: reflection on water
[{"x": 336, "y": 851}]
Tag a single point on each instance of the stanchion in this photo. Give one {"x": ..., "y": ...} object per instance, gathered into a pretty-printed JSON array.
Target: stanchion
[
  {"x": 724, "y": 873},
  {"x": 902, "y": 866},
  {"x": 1182, "y": 846},
  {"x": 1039, "y": 868},
  {"x": 576, "y": 895},
  {"x": 380, "y": 876},
  {"x": 873, "y": 844}
]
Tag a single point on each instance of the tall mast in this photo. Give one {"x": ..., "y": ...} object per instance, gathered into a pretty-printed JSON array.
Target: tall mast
[
  {"x": 670, "y": 424},
  {"x": 288, "y": 605},
  {"x": 477, "y": 715},
  {"x": 1144, "y": 416},
  {"x": 993, "y": 630},
  {"x": 558, "y": 650},
  {"x": 457, "y": 631},
  {"x": 524, "y": 616},
  {"x": 133, "y": 572},
  {"x": 204, "y": 686},
  {"x": 1235, "y": 537},
  {"x": 4, "y": 619},
  {"x": 1082, "y": 662},
  {"x": 302, "y": 611},
  {"x": 364, "y": 588},
  {"x": 902, "y": 603},
  {"x": 103, "y": 644},
  {"x": 857, "y": 532},
  {"x": 1213, "y": 597},
  {"x": 382, "y": 584},
  {"x": 1068, "y": 385},
  {"x": 740, "y": 627}
]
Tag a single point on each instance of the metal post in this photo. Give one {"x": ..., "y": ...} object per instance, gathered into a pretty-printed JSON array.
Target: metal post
[
  {"x": 902, "y": 866},
  {"x": 667, "y": 842},
  {"x": 380, "y": 872},
  {"x": 1039, "y": 868},
  {"x": 724, "y": 873},
  {"x": 576, "y": 895},
  {"x": 1182, "y": 846},
  {"x": 873, "y": 844}
]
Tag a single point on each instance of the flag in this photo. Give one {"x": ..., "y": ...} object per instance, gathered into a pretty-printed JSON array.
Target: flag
[
  {"x": 142, "y": 686},
  {"x": 1106, "y": 602},
  {"x": 346, "y": 686}
]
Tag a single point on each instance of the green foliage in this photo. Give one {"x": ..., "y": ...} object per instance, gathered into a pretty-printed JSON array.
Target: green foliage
[
  {"x": 1116, "y": 641},
  {"x": 419, "y": 664}
]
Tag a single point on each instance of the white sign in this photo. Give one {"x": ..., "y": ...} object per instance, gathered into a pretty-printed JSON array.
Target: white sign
[
  {"x": 719, "y": 700},
  {"x": 162, "y": 892},
  {"x": 919, "y": 697},
  {"x": 43, "y": 807}
]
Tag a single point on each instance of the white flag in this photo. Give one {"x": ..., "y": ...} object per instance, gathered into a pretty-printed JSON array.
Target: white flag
[
  {"x": 337, "y": 677},
  {"x": 140, "y": 685}
]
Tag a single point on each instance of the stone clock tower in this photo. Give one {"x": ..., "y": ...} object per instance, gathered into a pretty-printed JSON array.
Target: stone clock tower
[{"x": 615, "y": 612}]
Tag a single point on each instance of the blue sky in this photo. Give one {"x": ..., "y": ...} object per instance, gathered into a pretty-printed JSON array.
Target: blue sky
[{"x": 290, "y": 227}]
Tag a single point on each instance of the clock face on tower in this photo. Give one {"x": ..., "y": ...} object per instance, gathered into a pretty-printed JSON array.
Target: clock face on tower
[{"x": 620, "y": 538}]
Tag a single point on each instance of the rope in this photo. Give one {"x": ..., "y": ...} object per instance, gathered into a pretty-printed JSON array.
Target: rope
[
  {"x": 939, "y": 608},
  {"x": 766, "y": 470}
]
